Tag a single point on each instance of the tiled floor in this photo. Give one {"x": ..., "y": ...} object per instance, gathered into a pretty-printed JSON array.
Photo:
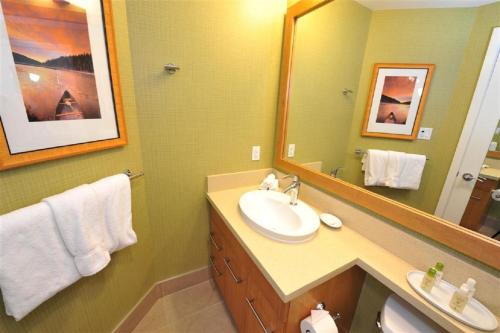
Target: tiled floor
[{"x": 198, "y": 309}]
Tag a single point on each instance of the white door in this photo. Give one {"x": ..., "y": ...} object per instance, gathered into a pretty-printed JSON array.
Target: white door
[{"x": 478, "y": 131}]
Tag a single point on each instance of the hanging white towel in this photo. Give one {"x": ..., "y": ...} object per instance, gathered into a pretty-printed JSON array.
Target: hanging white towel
[
  {"x": 34, "y": 262},
  {"x": 396, "y": 163},
  {"x": 375, "y": 167},
  {"x": 79, "y": 216},
  {"x": 411, "y": 174},
  {"x": 114, "y": 193}
]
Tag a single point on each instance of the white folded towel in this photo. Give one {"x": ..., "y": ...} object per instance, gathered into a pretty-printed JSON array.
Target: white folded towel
[
  {"x": 396, "y": 162},
  {"x": 411, "y": 173},
  {"x": 80, "y": 218},
  {"x": 375, "y": 165},
  {"x": 34, "y": 262},
  {"x": 269, "y": 183},
  {"x": 114, "y": 193}
]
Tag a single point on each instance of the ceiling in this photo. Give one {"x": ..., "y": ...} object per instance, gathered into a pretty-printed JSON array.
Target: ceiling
[{"x": 408, "y": 4}]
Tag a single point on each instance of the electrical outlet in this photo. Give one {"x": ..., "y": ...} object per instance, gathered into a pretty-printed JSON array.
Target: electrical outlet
[
  {"x": 424, "y": 133},
  {"x": 291, "y": 150},
  {"x": 255, "y": 153}
]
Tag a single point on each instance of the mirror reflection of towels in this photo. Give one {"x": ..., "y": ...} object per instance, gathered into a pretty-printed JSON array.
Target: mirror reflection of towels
[
  {"x": 375, "y": 167},
  {"x": 393, "y": 169}
]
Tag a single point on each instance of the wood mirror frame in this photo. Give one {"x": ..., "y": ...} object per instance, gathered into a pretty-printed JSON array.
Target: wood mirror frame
[{"x": 470, "y": 243}]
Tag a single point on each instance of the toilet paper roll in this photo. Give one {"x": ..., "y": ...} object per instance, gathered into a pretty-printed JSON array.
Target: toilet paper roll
[
  {"x": 325, "y": 325},
  {"x": 495, "y": 195}
]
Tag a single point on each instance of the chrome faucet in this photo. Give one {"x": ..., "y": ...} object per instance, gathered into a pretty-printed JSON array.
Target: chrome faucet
[
  {"x": 293, "y": 188},
  {"x": 335, "y": 172}
]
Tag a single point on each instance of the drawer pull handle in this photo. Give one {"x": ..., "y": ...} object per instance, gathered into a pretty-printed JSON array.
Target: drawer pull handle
[
  {"x": 235, "y": 278},
  {"x": 213, "y": 266},
  {"x": 474, "y": 197},
  {"x": 256, "y": 315},
  {"x": 217, "y": 247}
]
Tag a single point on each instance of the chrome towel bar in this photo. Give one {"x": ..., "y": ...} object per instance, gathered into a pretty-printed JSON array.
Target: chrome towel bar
[{"x": 132, "y": 175}]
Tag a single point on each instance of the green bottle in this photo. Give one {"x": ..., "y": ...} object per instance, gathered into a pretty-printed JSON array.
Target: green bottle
[
  {"x": 439, "y": 272},
  {"x": 429, "y": 280}
]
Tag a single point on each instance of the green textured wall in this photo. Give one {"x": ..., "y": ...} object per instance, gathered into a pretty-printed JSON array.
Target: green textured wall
[
  {"x": 94, "y": 304},
  {"x": 329, "y": 45},
  {"x": 204, "y": 119}
]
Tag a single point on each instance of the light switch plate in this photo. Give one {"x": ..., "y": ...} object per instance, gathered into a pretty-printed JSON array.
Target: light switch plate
[
  {"x": 424, "y": 133},
  {"x": 255, "y": 153},
  {"x": 291, "y": 150}
]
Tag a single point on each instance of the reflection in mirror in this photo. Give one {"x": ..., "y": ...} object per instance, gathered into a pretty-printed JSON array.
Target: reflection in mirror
[
  {"x": 494, "y": 149},
  {"x": 335, "y": 50}
]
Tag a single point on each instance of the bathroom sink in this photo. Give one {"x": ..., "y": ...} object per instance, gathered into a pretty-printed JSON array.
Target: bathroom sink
[{"x": 270, "y": 213}]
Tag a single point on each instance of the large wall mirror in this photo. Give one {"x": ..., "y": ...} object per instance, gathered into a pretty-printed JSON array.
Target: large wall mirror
[{"x": 406, "y": 93}]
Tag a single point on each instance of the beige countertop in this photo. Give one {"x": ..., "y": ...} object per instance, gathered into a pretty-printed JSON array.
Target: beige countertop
[
  {"x": 490, "y": 173},
  {"x": 293, "y": 269}
]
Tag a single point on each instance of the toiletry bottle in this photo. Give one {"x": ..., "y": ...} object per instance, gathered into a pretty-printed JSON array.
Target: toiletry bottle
[
  {"x": 460, "y": 298},
  {"x": 439, "y": 272},
  {"x": 471, "y": 285},
  {"x": 428, "y": 280}
]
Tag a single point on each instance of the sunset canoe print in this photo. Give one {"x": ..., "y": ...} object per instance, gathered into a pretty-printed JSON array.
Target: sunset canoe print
[
  {"x": 395, "y": 101},
  {"x": 51, "y": 50}
]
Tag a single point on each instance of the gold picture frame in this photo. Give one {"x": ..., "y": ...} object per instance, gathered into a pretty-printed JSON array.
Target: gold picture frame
[{"x": 396, "y": 100}]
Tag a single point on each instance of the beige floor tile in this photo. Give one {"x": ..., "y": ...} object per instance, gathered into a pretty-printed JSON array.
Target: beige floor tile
[
  {"x": 214, "y": 319},
  {"x": 155, "y": 318},
  {"x": 195, "y": 309},
  {"x": 190, "y": 300}
]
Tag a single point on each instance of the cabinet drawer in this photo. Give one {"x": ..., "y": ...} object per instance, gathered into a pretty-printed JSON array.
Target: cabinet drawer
[
  {"x": 486, "y": 185},
  {"x": 235, "y": 283},
  {"x": 215, "y": 237},
  {"x": 264, "y": 308},
  {"x": 218, "y": 273},
  {"x": 260, "y": 314}
]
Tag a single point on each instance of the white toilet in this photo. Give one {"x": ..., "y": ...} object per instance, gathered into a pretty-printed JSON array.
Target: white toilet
[{"x": 398, "y": 316}]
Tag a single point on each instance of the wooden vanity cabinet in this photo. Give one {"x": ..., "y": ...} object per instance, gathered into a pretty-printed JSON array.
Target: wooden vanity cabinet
[
  {"x": 216, "y": 255},
  {"x": 478, "y": 205},
  {"x": 255, "y": 306}
]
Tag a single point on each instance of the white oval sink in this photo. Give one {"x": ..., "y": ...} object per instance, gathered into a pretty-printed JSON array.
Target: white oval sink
[{"x": 271, "y": 214}]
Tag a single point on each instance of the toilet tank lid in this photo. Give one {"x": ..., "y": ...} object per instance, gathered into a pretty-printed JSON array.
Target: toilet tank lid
[{"x": 399, "y": 316}]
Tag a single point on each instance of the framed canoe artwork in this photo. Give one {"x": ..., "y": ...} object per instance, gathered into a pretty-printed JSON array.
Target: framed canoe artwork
[
  {"x": 59, "y": 85},
  {"x": 396, "y": 101}
]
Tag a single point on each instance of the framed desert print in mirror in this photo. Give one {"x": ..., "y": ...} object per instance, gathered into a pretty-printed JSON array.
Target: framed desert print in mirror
[
  {"x": 60, "y": 90},
  {"x": 438, "y": 183}
]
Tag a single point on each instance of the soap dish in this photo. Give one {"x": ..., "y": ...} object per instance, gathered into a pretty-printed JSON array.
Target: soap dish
[
  {"x": 475, "y": 314},
  {"x": 330, "y": 220}
]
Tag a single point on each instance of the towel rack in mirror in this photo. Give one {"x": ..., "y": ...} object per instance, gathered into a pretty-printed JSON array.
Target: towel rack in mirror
[{"x": 361, "y": 152}]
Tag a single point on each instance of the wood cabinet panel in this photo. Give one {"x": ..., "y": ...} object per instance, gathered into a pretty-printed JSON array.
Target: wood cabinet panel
[
  {"x": 237, "y": 266},
  {"x": 478, "y": 205},
  {"x": 266, "y": 303},
  {"x": 340, "y": 295},
  {"x": 217, "y": 272},
  {"x": 255, "y": 306},
  {"x": 217, "y": 246}
]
